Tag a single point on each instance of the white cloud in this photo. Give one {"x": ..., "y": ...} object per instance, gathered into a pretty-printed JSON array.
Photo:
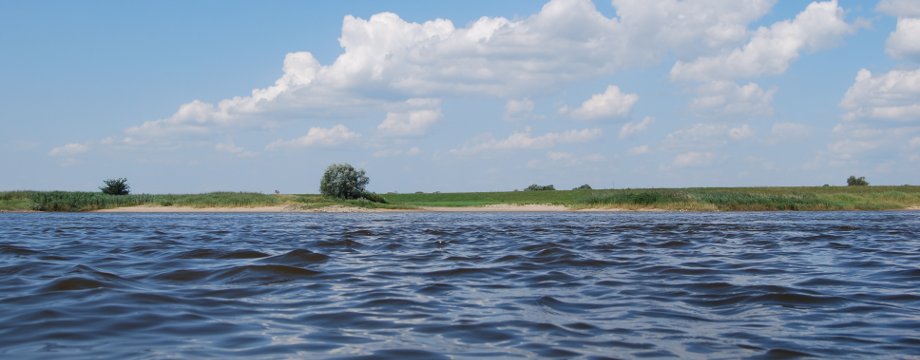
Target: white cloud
[
  {"x": 630, "y": 128},
  {"x": 386, "y": 60},
  {"x": 611, "y": 103},
  {"x": 335, "y": 135},
  {"x": 422, "y": 114},
  {"x": 687, "y": 27},
  {"x": 904, "y": 42},
  {"x": 639, "y": 150},
  {"x": 523, "y": 140},
  {"x": 693, "y": 158},
  {"x": 894, "y": 95},
  {"x": 518, "y": 109},
  {"x": 784, "y": 131},
  {"x": 705, "y": 135},
  {"x": 740, "y": 133},
  {"x": 726, "y": 97},
  {"x": 906, "y": 8},
  {"x": 771, "y": 50},
  {"x": 231, "y": 148},
  {"x": 69, "y": 150}
]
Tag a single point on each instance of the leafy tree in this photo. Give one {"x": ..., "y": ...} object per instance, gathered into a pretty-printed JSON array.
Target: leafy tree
[
  {"x": 857, "y": 181},
  {"x": 343, "y": 181},
  {"x": 117, "y": 186},
  {"x": 536, "y": 187},
  {"x": 583, "y": 187}
]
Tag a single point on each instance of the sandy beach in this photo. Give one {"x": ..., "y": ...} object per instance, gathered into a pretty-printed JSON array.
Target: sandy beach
[{"x": 340, "y": 209}]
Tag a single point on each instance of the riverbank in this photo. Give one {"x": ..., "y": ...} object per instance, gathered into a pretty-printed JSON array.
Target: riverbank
[
  {"x": 678, "y": 199},
  {"x": 339, "y": 209}
]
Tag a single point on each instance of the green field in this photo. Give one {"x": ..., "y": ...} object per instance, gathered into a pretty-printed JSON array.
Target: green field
[
  {"x": 690, "y": 199},
  {"x": 694, "y": 199}
]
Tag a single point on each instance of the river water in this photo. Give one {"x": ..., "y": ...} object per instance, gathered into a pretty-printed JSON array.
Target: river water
[{"x": 460, "y": 285}]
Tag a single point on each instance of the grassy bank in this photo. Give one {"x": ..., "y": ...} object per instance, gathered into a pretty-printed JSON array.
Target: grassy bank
[
  {"x": 699, "y": 199},
  {"x": 696, "y": 199},
  {"x": 88, "y": 201}
]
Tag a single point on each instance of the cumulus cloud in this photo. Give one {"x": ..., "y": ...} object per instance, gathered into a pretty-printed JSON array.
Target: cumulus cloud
[
  {"x": 771, "y": 50},
  {"x": 387, "y": 61},
  {"x": 316, "y": 136},
  {"x": 692, "y": 158},
  {"x": 524, "y": 140},
  {"x": 631, "y": 128},
  {"x": 68, "y": 150},
  {"x": 904, "y": 42},
  {"x": 894, "y": 95},
  {"x": 687, "y": 27},
  {"x": 386, "y": 57},
  {"x": 609, "y": 104},
  {"x": 413, "y": 122},
  {"x": 907, "y": 8},
  {"x": 729, "y": 98},
  {"x": 518, "y": 109}
]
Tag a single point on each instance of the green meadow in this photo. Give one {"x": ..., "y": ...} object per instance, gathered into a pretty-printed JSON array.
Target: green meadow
[{"x": 678, "y": 199}]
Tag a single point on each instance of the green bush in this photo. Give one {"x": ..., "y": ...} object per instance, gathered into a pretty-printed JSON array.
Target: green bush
[
  {"x": 343, "y": 181},
  {"x": 535, "y": 187},
  {"x": 857, "y": 181},
  {"x": 117, "y": 186}
]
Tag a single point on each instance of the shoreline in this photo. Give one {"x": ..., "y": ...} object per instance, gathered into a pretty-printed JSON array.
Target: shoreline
[
  {"x": 494, "y": 208},
  {"x": 338, "y": 209},
  {"x": 352, "y": 209}
]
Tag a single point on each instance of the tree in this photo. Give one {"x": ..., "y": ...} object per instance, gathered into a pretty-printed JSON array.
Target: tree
[
  {"x": 535, "y": 187},
  {"x": 583, "y": 187},
  {"x": 117, "y": 186},
  {"x": 344, "y": 182},
  {"x": 857, "y": 181}
]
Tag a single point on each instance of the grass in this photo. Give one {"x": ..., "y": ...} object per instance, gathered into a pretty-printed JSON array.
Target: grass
[
  {"x": 693, "y": 199},
  {"x": 86, "y": 201}
]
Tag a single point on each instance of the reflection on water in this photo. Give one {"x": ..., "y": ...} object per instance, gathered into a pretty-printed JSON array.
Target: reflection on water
[{"x": 428, "y": 286}]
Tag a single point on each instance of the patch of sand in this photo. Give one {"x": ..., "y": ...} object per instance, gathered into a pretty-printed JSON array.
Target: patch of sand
[
  {"x": 189, "y": 209},
  {"x": 339, "y": 209},
  {"x": 497, "y": 208}
]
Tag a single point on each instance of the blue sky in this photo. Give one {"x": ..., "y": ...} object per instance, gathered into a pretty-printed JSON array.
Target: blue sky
[{"x": 202, "y": 96}]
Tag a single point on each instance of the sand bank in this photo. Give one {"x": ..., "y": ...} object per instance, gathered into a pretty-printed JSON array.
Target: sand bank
[{"x": 335, "y": 209}]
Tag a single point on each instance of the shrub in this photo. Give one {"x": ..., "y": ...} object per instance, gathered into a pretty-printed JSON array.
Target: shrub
[
  {"x": 343, "y": 181},
  {"x": 583, "y": 187},
  {"x": 857, "y": 181},
  {"x": 117, "y": 186},
  {"x": 535, "y": 187}
]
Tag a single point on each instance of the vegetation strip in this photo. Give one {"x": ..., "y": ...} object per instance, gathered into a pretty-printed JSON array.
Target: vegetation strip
[{"x": 688, "y": 199}]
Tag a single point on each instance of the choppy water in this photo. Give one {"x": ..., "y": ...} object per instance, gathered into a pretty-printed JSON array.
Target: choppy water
[{"x": 475, "y": 285}]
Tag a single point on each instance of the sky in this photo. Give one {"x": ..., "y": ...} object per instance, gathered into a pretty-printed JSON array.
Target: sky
[{"x": 454, "y": 96}]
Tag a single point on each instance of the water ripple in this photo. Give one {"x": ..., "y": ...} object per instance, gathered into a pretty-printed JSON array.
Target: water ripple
[{"x": 460, "y": 285}]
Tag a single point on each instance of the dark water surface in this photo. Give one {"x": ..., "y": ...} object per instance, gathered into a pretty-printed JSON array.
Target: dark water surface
[{"x": 460, "y": 285}]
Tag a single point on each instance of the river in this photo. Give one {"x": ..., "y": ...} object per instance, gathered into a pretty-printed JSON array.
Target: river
[{"x": 460, "y": 285}]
